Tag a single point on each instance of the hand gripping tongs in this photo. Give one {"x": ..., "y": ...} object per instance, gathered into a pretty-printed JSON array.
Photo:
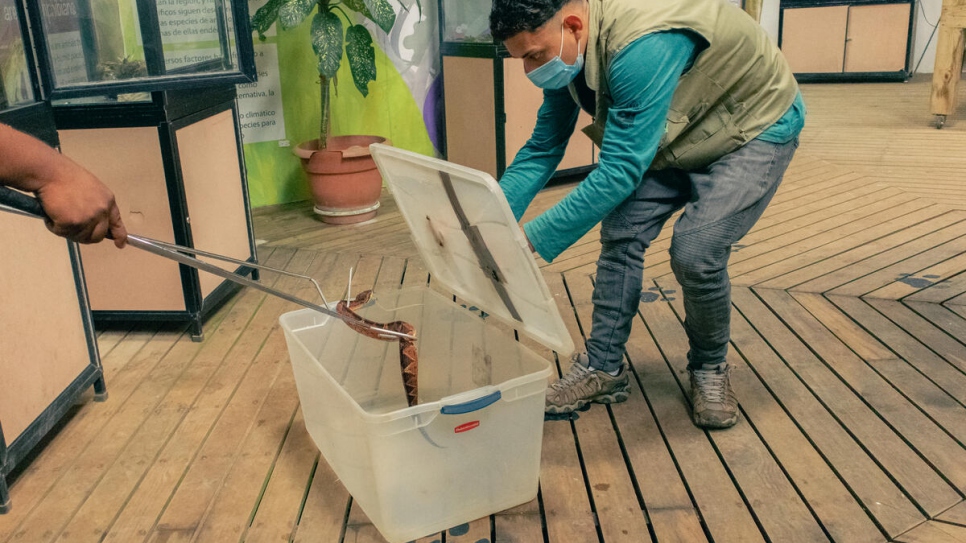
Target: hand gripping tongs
[{"x": 23, "y": 204}]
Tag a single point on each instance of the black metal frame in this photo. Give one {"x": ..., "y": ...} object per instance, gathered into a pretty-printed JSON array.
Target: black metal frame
[
  {"x": 38, "y": 119},
  {"x": 170, "y": 111},
  {"x": 853, "y": 77},
  {"x": 93, "y": 375},
  {"x": 496, "y": 52},
  {"x": 161, "y": 79}
]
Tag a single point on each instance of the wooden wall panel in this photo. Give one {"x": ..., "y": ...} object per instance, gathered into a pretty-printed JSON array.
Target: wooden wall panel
[
  {"x": 213, "y": 191},
  {"x": 128, "y": 160}
]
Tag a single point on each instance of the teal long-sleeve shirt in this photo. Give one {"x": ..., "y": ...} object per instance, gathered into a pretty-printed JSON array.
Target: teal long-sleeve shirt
[{"x": 642, "y": 79}]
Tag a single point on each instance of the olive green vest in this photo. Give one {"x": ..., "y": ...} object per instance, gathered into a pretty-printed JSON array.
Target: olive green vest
[{"x": 738, "y": 86}]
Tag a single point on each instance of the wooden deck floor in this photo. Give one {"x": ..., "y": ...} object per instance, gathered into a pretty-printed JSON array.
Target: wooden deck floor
[{"x": 849, "y": 342}]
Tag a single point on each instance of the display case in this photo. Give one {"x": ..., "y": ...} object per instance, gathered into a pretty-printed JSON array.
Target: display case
[
  {"x": 176, "y": 165},
  {"x": 110, "y": 47},
  {"x": 49, "y": 356},
  {"x": 848, "y": 40},
  {"x": 143, "y": 96},
  {"x": 490, "y": 107}
]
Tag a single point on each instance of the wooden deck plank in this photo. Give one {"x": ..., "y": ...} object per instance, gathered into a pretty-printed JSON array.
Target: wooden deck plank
[
  {"x": 917, "y": 478},
  {"x": 782, "y": 372},
  {"x": 863, "y": 203},
  {"x": 955, "y": 514},
  {"x": 752, "y": 255},
  {"x": 86, "y": 473},
  {"x": 57, "y": 458},
  {"x": 827, "y": 273},
  {"x": 792, "y": 204},
  {"x": 773, "y": 500},
  {"x": 812, "y": 194},
  {"x": 907, "y": 284},
  {"x": 108, "y": 339},
  {"x": 934, "y": 532},
  {"x": 146, "y": 503},
  {"x": 782, "y": 232},
  {"x": 268, "y": 464},
  {"x": 950, "y": 322},
  {"x": 191, "y": 501},
  {"x": 670, "y": 510},
  {"x": 359, "y": 529},
  {"x": 567, "y": 510},
  {"x": 517, "y": 526},
  {"x": 860, "y": 277},
  {"x": 936, "y": 439},
  {"x": 276, "y": 514},
  {"x": 917, "y": 341},
  {"x": 471, "y": 532},
  {"x": 720, "y": 505},
  {"x": 940, "y": 291},
  {"x": 835, "y": 242},
  {"x": 613, "y": 495},
  {"x": 253, "y": 393},
  {"x": 833, "y": 503},
  {"x": 326, "y": 507},
  {"x": 803, "y": 201},
  {"x": 894, "y": 279}
]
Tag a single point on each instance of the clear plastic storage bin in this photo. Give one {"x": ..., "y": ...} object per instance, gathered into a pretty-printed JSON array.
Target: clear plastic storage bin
[{"x": 471, "y": 446}]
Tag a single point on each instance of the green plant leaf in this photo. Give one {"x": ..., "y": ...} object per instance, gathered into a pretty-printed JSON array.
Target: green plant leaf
[
  {"x": 265, "y": 17},
  {"x": 358, "y": 5},
  {"x": 382, "y": 14},
  {"x": 362, "y": 57},
  {"x": 327, "y": 42},
  {"x": 293, "y": 12}
]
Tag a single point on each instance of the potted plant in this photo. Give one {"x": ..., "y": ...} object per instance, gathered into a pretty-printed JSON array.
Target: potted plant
[{"x": 342, "y": 175}]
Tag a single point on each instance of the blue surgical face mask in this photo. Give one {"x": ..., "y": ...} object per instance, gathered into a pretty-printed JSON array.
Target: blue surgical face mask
[{"x": 556, "y": 73}]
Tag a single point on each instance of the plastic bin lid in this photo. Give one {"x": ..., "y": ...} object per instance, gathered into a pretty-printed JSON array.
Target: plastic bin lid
[{"x": 471, "y": 243}]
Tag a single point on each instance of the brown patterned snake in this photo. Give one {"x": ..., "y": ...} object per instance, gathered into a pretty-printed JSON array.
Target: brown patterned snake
[{"x": 408, "y": 361}]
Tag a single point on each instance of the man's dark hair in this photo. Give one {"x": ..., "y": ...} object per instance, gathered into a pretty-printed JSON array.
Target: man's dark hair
[{"x": 510, "y": 17}]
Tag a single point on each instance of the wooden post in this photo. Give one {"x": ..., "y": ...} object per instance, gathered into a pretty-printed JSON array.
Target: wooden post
[
  {"x": 753, "y": 8},
  {"x": 949, "y": 59}
]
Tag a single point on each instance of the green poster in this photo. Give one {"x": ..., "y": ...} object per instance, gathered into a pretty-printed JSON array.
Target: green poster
[{"x": 406, "y": 67}]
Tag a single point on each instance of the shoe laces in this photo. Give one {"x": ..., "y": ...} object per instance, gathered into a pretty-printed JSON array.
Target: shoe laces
[
  {"x": 711, "y": 384},
  {"x": 576, "y": 374}
]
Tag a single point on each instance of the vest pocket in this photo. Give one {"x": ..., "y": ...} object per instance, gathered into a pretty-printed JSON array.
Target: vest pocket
[
  {"x": 676, "y": 123},
  {"x": 715, "y": 136}
]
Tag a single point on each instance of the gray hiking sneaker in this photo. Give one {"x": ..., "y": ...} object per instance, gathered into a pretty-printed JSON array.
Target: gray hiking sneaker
[
  {"x": 582, "y": 385},
  {"x": 713, "y": 402}
]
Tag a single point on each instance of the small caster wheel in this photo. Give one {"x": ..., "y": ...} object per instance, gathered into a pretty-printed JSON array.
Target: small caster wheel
[{"x": 940, "y": 121}]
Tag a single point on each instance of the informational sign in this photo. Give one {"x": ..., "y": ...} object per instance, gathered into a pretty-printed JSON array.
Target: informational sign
[
  {"x": 189, "y": 32},
  {"x": 260, "y": 103},
  {"x": 62, "y": 24}
]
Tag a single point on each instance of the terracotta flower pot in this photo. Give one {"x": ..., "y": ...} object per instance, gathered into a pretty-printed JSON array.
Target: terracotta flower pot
[{"x": 344, "y": 180}]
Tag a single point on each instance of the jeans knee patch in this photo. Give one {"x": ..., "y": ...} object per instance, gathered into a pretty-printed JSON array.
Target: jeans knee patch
[{"x": 698, "y": 255}]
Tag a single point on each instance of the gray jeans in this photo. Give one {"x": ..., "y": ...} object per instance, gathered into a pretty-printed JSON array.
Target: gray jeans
[{"x": 721, "y": 203}]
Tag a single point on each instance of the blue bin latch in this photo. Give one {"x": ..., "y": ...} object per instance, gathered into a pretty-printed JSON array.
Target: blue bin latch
[{"x": 472, "y": 405}]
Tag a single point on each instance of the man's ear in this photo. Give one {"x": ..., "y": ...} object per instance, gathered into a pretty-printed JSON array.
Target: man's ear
[{"x": 573, "y": 22}]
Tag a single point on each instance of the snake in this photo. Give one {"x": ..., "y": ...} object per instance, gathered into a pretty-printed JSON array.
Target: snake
[{"x": 408, "y": 359}]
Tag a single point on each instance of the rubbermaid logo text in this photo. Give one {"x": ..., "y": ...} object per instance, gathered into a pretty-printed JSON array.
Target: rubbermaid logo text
[{"x": 466, "y": 426}]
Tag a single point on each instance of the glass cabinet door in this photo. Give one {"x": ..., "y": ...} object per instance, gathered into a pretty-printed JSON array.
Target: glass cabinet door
[
  {"x": 16, "y": 83},
  {"x": 466, "y": 20},
  {"x": 100, "y": 47}
]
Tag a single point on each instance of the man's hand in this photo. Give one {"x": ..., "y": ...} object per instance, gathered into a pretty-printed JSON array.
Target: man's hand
[
  {"x": 77, "y": 204},
  {"x": 81, "y": 208}
]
